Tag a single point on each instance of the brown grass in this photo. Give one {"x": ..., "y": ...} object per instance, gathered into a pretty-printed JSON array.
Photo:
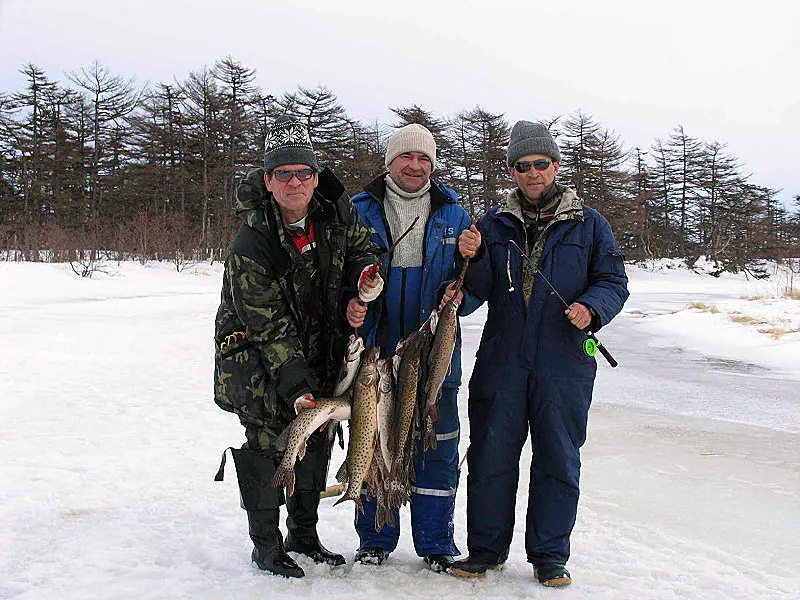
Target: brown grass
[
  {"x": 704, "y": 307},
  {"x": 792, "y": 294},
  {"x": 777, "y": 332},
  {"x": 752, "y": 297},
  {"x": 746, "y": 319}
]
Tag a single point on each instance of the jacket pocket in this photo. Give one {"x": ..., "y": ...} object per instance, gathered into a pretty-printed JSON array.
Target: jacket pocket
[{"x": 240, "y": 384}]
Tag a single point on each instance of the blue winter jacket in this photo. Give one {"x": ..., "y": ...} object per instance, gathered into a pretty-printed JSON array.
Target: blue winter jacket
[
  {"x": 411, "y": 294},
  {"x": 582, "y": 261}
]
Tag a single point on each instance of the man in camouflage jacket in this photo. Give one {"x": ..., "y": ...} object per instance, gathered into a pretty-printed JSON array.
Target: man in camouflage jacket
[{"x": 299, "y": 257}]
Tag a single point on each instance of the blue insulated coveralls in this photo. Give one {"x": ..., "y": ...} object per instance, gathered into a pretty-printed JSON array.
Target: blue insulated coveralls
[
  {"x": 410, "y": 295},
  {"x": 531, "y": 375}
]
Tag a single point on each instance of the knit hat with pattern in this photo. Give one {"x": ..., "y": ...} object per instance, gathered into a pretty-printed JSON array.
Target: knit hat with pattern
[{"x": 288, "y": 143}]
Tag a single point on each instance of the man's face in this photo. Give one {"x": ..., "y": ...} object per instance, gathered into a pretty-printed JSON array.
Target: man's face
[
  {"x": 293, "y": 195},
  {"x": 411, "y": 171},
  {"x": 534, "y": 182}
]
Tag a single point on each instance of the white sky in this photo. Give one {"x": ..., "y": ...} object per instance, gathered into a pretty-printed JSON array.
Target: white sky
[{"x": 725, "y": 70}]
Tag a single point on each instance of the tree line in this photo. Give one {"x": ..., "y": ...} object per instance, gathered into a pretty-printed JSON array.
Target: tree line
[{"x": 96, "y": 165}]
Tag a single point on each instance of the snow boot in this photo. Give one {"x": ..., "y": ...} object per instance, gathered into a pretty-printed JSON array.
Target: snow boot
[
  {"x": 371, "y": 555},
  {"x": 302, "y": 525},
  {"x": 439, "y": 563},
  {"x": 552, "y": 574},
  {"x": 268, "y": 551},
  {"x": 473, "y": 567}
]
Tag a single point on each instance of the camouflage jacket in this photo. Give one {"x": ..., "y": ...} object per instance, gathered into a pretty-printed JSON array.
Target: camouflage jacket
[{"x": 280, "y": 328}]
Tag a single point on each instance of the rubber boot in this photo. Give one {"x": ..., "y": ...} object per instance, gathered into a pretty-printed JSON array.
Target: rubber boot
[
  {"x": 302, "y": 525},
  {"x": 254, "y": 472},
  {"x": 268, "y": 551}
]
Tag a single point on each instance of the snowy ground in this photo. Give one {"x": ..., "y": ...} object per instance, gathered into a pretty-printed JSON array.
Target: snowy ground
[{"x": 691, "y": 484}]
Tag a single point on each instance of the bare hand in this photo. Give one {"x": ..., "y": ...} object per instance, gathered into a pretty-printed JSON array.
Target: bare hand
[
  {"x": 579, "y": 315},
  {"x": 303, "y": 402},
  {"x": 449, "y": 293},
  {"x": 356, "y": 313},
  {"x": 469, "y": 241}
]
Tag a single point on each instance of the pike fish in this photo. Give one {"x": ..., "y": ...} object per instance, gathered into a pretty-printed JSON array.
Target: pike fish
[
  {"x": 298, "y": 432},
  {"x": 402, "y": 446},
  {"x": 352, "y": 358},
  {"x": 444, "y": 342},
  {"x": 363, "y": 429},
  {"x": 385, "y": 412}
]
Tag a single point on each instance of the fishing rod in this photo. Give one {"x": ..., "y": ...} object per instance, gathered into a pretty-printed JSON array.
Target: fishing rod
[
  {"x": 459, "y": 282},
  {"x": 374, "y": 267},
  {"x": 591, "y": 344}
]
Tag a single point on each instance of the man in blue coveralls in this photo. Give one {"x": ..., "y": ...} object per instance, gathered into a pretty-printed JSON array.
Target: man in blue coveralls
[
  {"x": 420, "y": 266},
  {"x": 531, "y": 376}
]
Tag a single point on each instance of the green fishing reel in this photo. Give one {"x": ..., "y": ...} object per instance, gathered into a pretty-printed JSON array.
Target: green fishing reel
[{"x": 589, "y": 347}]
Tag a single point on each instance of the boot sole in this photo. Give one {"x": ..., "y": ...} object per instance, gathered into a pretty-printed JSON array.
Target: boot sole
[
  {"x": 557, "y": 582},
  {"x": 456, "y": 572}
]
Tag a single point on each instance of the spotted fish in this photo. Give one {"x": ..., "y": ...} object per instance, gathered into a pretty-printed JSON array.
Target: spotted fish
[
  {"x": 297, "y": 434},
  {"x": 441, "y": 354},
  {"x": 363, "y": 429}
]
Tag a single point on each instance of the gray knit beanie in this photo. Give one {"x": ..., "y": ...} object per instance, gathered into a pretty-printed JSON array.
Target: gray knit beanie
[
  {"x": 530, "y": 138},
  {"x": 411, "y": 138},
  {"x": 288, "y": 143}
]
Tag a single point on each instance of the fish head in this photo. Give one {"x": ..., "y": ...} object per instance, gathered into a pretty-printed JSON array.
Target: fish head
[{"x": 355, "y": 346}]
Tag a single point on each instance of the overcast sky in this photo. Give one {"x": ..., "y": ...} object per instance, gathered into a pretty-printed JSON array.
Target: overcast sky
[{"x": 725, "y": 70}]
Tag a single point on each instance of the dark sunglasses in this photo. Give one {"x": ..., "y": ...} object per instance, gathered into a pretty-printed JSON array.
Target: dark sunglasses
[
  {"x": 540, "y": 164},
  {"x": 284, "y": 175}
]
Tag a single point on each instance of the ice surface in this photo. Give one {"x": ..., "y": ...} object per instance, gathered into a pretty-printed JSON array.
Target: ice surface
[{"x": 110, "y": 440}]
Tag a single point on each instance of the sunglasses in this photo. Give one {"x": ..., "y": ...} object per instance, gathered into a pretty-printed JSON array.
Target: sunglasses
[
  {"x": 540, "y": 164},
  {"x": 284, "y": 175}
]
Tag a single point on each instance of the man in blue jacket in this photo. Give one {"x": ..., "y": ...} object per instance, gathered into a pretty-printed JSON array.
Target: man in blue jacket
[
  {"x": 530, "y": 373},
  {"x": 419, "y": 269}
]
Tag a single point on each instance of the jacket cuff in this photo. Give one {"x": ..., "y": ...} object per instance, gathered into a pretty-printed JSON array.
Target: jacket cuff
[{"x": 293, "y": 380}]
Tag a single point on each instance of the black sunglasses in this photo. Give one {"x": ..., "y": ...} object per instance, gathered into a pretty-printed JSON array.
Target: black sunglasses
[
  {"x": 285, "y": 175},
  {"x": 540, "y": 164}
]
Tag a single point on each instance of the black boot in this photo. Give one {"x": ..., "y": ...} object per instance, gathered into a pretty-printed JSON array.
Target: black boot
[
  {"x": 268, "y": 551},
  {"x": 254, "y": 471},
  {"x": 302, "y": 525},
  {"x": 371, "y": 555},
  {"x": 472, "y": 567},
  {"x": 552, "y": 574},
  {"x": 439, "y": 563}
]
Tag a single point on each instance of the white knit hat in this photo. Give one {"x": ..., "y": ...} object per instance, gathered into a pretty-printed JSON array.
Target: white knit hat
[{"x": 411, "y": 138}]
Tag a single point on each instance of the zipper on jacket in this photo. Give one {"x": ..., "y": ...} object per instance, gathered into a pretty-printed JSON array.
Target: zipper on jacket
[{"x": 403, "y": 304}]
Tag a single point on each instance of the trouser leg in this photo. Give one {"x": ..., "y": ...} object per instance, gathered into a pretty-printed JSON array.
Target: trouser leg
[
  {"x": 498, "y": 416},
  {"x": 559, "y": 414},
  {"x": 433, "y": 493},
  {"x": 386, "y": 538}
]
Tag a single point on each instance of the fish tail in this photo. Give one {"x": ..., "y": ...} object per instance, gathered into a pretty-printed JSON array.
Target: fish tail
[
  {"x": 344, "y": 497},
  {"x": 284, "y": 478},
  {"x": 384, "y": 516}
]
